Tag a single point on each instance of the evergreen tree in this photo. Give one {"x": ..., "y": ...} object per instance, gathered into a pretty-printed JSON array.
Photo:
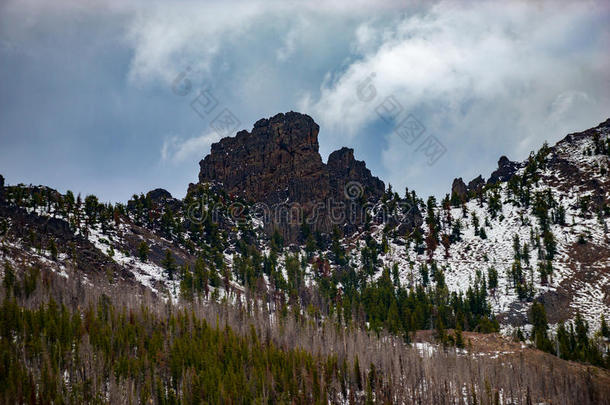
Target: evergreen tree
[
  {"x": 357, "y": 375},
  {"x": 53, "y": 249},
  {"x": 169, "y": 265},
  {"x": 537, "y": 317},
  {"x": 492, "y": 277},
  {"x": 143, "y": 251},
  {"x": 91, "y": 208},
  {"x": 459, "y": 340},
  {"x": 604, "y": 329},
  {"x": 9, "y": 278},
  {"x": 393, "y": 320}
]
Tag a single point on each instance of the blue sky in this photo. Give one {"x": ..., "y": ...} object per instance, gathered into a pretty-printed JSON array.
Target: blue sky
[{"x": 87, "y": 100}]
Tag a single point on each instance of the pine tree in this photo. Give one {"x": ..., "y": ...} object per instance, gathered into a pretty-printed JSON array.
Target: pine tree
[
  {"x": 456, "y": 231},
  {"x": 431, "y": 241},
  {"x": 53, "y": 249},
  {"x": 393, "y": 320},
  {"x": 537, "y": 316},
  {"x": 91, "y": 208},
  {"x": 357, "y": 374},
  {"x": 446, "y": 242},
  {"x": 492, "y": 278},
  {"x": 310, "y": 245},
  {"x": 550, "y": 245},
  {"x": 441, "y": 333},
  {"x": 395, "y": 275},
  {"x": 169, "y": 265},
  {"x": 143, "y": 251},
  {"x": 517, "y": 247},
  {"x": 187, "y": 287},
  {"x": 459, "y": 340},
  {"x": 604, "y": 330},
  {"x": 9, "y": 278}
]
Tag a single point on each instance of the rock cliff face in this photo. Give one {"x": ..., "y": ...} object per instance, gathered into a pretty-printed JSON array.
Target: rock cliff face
[
  {"x": 159, "y": 194},
  {"x": 459, "y": 188},
  {"x": 278, "y": 164},
  {"x": 476, "y": 184},
  {"x": 344, "y": 169},
  {"x": 505, "y": 171}
]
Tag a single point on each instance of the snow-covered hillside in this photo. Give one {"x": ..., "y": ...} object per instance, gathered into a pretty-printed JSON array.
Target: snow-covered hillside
[{"x": 543, "y": 229}]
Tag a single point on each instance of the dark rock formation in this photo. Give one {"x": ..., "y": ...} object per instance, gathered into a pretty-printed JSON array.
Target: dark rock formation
[
  {"x": 162, "y": 197},
  {"x": 158, "y": 195},
  {"x": 343, "y": 169},
  {"x": 506, "y": 170},
  {"x": 278, "y": 164},
  {"x": 476, "y": 184},
  {"x": 1, "y": 188},
  {"x": 459, "y": 188},
  {"x": 463, "y": 191}
]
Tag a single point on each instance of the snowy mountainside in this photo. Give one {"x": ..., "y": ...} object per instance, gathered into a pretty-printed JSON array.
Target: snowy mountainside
[
  {"x": 542, "y": 229},
  {"x": 576, "y": 178}
]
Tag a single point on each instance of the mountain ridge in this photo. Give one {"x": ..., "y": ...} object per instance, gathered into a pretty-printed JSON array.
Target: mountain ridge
[
  {"x": 279, "y": 164},
  {"x": 536, "y": 235}
]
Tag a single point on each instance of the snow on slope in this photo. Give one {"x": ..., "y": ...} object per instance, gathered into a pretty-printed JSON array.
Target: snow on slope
[{"x": 473, "y": 253}]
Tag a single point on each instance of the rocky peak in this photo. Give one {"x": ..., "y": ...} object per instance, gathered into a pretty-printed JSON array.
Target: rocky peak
[
  {"x": 342, "y": 158},
  {"x": 159, "y": 194},
  {"x": 506, "y": 170},
  {"x": 459, "y": 188},
  {"x": 476, "y": 184},
  {"x": 344, "y": 168},
  {"x": 275, "y": 163},
  {"x": 278, "y": 163}
]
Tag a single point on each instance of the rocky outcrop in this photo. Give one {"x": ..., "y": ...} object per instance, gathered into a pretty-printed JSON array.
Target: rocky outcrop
[
  {"x": 162, "y": 197},
  {"x": 278, "y": 164},
  {"x": 476, "y": 184},
  {"x": 344, "y": 169},
  {"x": 506, "y": 170},
  {"x": 459, "y": 189},
  {"x": 462, "y": 191},
  {"x": 159, "y": 195}
]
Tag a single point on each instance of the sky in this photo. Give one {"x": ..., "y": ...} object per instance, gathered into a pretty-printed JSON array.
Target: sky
[{"x": 114, "y": 99}]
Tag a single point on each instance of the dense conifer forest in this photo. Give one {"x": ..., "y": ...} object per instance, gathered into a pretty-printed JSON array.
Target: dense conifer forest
[{"x": 66, "y": 342}]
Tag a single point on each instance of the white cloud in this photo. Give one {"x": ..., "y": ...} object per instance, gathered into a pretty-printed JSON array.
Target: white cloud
[
  {"x": 166, "y": 37},
  {"x": 481, "y": 77},
  {"x": 515, "y": 55},
  {"x": 178, "y": 150}
]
